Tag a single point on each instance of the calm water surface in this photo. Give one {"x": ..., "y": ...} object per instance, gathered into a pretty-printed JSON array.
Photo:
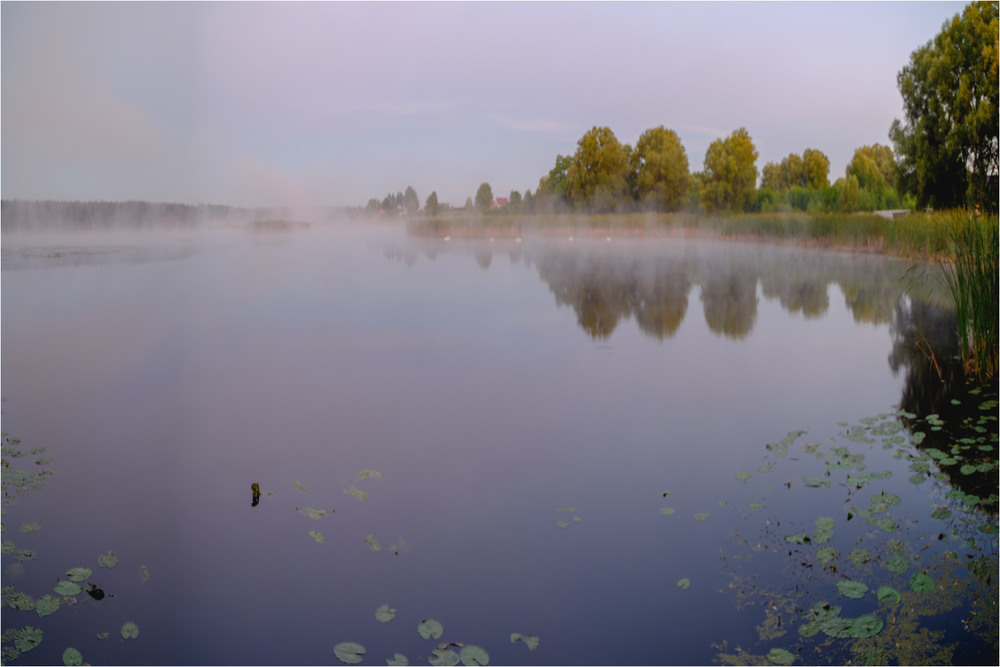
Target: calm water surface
[{"x": 529, "y": 412}]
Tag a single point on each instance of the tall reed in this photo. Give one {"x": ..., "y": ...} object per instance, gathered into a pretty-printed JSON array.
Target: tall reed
[{"x": 971, "y": 274}]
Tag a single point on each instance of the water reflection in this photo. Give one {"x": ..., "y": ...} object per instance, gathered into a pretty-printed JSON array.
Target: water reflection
[{"x": 650, "y": 280}]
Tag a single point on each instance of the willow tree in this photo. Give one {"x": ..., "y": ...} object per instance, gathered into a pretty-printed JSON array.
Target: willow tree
[
  {"x": 730, "y": 175},
  {"x": 595, "y": 179},
  {"x": 660, "y": 167}
]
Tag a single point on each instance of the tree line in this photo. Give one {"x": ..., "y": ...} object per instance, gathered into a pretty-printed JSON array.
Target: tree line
[{"x": 944, "y": 153}]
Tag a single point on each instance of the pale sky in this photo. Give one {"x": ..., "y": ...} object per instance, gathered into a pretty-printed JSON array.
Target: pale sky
[{"x": 260, "y": 104}]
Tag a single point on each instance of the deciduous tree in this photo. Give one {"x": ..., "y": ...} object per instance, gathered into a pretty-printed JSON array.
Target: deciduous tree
[
  {"x": 730, "y": 175},
  {"x": 595, "y": 179},
  {"x": 431, "y": 207},
  {"x": 660, "y": 167},
  {"x": 948, "y": 145},
  {"x": 484, "y": 197}
]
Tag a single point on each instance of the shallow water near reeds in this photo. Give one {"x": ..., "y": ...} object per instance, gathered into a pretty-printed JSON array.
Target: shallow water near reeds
[{"x": 639, "y": 451}]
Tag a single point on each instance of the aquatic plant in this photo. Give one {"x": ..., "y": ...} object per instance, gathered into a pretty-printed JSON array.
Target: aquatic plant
[{"x": 971, "y": 274}]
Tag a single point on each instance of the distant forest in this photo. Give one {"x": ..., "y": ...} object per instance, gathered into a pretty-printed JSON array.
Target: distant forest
[{"x": 21, "y": 215}]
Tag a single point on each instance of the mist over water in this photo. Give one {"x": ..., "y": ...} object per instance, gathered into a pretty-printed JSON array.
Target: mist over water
[{"x": 489, "y": 384}]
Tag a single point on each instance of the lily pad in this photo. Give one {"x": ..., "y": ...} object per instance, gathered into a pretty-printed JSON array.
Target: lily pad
[
  {"x": 779, "y": 656},
  {"x": 865, "y": 626},
  {"x": 372, "y": 543},
  {"x": 755, "y": 506},
  {"x": 357, "y": 493},
  {"x": 46, "y": 605},
  {"x": 531, "y": 641},
  {"x": 368, "y": 474},
  {"x": 311, "y": 512},
  {"x": 815, "y": 482},
  {"x": 30, "y": 527},
  {"x": 28, "y": 638},
  {"x": 767, "y": 467},
  {"x": 443, "y": 657},
  {"x": 684, "y": 583},
  {"x": 798, "y": 538},
  {"x": 562, "y": 524},
  {"x": 430, "y": 629},
  {"x": 107, "y": 560},
  {"x": 318, "y": 536},
  {"x": 67, "y": 588},
  {"x": 300, "y": 487},
  {"x": 859, "y": 556},
  {"x": 921, "y": 583},
  {"x": 72, "y": 657},
  {"x": 826, "y": 554},
  {"x": 887, "y": 595},
  {"x": 78, "y": 574},
  {"x": 351, "y": 653},
  {"x": 898, "y": 564},
  {"x": 473, "y": 655},
  {"x": 852, "y": 589},
  {"x": 129, "y": 630},
  {"x": 667, "y": 511},
  {"x": 385, "y": 613},
  {"x": 743, "y": 476},
  {"x": 701, "y": 516},
  {"x": 398, "y": 660}
]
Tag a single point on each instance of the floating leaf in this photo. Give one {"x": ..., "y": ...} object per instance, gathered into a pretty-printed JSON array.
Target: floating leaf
[
  {"x": 921, "y": 583},
  {"x": 568, "y": 510},
  {"x": 129, "y": 630},
  {"x": 779, "y": 656},
  {"x": 46, "y": 605},
  {"x": 684, "y": 583},
  {"x": 577, "y": 519},
  {"x": 825, "y": 554},
  {"x": 562, "y": 524},
  {"x": 372, "y": 543},
  {"x": 311, "y": 512},
  {"x": 859, "y": 556},
  {"x": 67, "y": 588},
  {"x": 701, "y": 516},
  {"x": 473, "y": 655},
  {"x": 430, "y": 629},
  {"x": 798, "y": 538},
  {"x": 107, "y": 560},
  {"x": 300, "y": 487},
  {"x": 384, "y": 614},
  {"x": 351, "y": 653},
  {"x": 755, "y": 506},
  {"x": 767, "y": 467},
  {"x": 852, "y": 589},
  {"x": 30, "y": 527},
  {"x": 743, "y": 476},
  {"x": 815, "y": 482},
  {"x": 531, "y": 641},
  {"x": 898, "y": 564},
  {"x": 318, "y": 536},
  {"x": 28, "y": 638},
  {"x": 103, "y": 635},
  {"x": 357, "y": 493},
  {"x": 667, "y": 511},
  {"x": 20, "y": 601},
  {"x": 78, "y": 574},
  {"x": 865, "y": 626},
  {"x": 443, "y": 657},
  {"x": 398, "y": 660},
  {"x": 72, "y": 657},
  {"x": 887, "y": 595},
  {"x": 368, "y": 474},
  {"x": 886, "y": 524}
]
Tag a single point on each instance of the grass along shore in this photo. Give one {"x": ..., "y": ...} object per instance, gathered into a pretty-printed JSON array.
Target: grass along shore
[{"x": 916, "y": 236}]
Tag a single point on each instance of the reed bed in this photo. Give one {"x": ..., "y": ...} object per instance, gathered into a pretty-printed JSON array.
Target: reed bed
[{"x": 971, "y": 273}]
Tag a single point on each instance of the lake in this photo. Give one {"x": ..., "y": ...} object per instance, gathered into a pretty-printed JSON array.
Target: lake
[{"x": 636, "y": 450}]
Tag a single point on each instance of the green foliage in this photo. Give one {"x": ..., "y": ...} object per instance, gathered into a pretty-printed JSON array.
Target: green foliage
[
  {"x": 659, "y": 165},
  {"x": 530, "y": 641},
  {"x": 71, "y": 656},
  {"x": 971, "y": 271},
  {"x": 948, "y": 143},
  {"x": 130, "y": 630},
  {"x": 730, "y": 176},
  {"x": 595, "y": 179},
  {"x": 430, "y": 629}
]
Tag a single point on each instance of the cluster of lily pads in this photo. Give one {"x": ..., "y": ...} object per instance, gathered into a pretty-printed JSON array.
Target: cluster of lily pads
[
  {"x": 74, "y": 582},
  {"x": 924, "y": 579},
  {"x": 444, "y": 654}
]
